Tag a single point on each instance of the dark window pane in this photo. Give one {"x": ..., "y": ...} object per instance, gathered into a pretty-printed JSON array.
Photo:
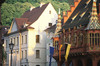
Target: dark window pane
[
  {"x": 37, "y": 54},
  {"x": 50, "y": 24},
  {"x": 25, "y": 38},
  {"x": 22, "y": 39},
  {"x": 37, "y": 65},
  {"x": 96, "y": 39},
  {"x": 37, "y": 38}
]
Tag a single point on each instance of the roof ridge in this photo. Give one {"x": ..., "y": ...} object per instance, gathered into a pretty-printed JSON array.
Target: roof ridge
[
  {"x": 34, "y": 14},
  {"x": 71, "y": 10}
]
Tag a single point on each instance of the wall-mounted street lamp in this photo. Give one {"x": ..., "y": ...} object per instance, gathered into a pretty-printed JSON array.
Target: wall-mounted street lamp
[{"x": 11, "y": 45}]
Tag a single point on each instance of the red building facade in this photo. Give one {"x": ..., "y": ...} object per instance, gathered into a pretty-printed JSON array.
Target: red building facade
[{"x": 81, "y": 29}]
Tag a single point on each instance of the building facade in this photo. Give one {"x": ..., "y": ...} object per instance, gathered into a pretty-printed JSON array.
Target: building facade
[
  {"x": 28, "y": 35},
  {"x": 50, "y": 32},
  {"x": 81, "y": 29}
]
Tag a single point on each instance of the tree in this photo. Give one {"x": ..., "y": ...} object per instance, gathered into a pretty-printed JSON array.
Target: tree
[
  {"x": 11, "y": 11},
  {"x": 15, "y": 8}
]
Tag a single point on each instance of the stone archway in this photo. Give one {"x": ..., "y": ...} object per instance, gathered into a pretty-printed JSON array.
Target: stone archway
[
  {"x": 79, "y": 63},
  {"x": 89, "y": 62},
  {"x": 98, "y": 63}
]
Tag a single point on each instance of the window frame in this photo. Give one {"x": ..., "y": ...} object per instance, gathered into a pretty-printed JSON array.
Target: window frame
[
  {"x": 50, "y": 24},
  {"x": 37, "y": 38},
  {"x": 26, "y": 39},
  {"x": 17, "y": 41},
  {"x": 25, "y": 54},
  {"x": 22, "y": 40},
  {"x": 37, "y": 54},
  {"x": 22, "y": 55}
]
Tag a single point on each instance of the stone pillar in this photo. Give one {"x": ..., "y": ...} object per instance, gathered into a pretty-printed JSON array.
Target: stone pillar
[
  {"x": 74, "y": 62},
  {"x": 66, "y": 64},
  {"x": 84, "y": 62},
  {"x": 94, "y": 62},
  {"x": 58, "y": 63}
]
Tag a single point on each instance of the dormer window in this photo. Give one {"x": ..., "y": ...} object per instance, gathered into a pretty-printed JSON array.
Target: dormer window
[
  {"x": 50, "y": 24},
  {"x": 73, "y": 18},
  {"x": 87, "y": 3}
]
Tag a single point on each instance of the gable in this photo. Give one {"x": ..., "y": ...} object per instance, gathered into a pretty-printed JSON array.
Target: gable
[
  {"x": 49, "y": 15},
  {"x": 35, "y": 13},
  {"x": 14, "y": 27}
]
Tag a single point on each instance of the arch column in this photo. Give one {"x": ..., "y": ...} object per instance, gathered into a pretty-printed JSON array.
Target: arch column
[
  {"x": 84, "y": 62},
  {"x": 74, "y": 62},
  {"x": 59, "y": 63},
  {"x": 66, "y": 63},
  {"x": 94, "y": 62}
]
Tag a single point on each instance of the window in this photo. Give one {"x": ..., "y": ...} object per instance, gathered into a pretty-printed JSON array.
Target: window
[
  {"x": 22, "y": 54},
  {"x": 50, "y": 12},
  {"x": 37, "y": 38},
  {"x": 17, "y": 41},
  {"x": 37, "y": 53},
  {"x": 14, "y": 40},
  {"x": 94, "y": 39},
  {"x": 37, "y": 65},
  {"x": 50, "y": 24},
  {"x": 25, "y": 38},
  {"x": 11, "y": 40},
  {"x": 22, "y": 39},
  {"x": 26, "y": 54}
]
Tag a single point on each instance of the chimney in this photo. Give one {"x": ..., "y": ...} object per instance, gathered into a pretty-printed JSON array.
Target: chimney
[
  {"x": 41, "y": 4},
  {"x": 32, "y": 7},
  {"x": 64, "y": 13},
  {"x": 99, "y": 8}
]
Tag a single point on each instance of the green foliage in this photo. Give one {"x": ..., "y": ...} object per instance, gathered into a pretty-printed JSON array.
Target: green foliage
[
  {"x": 15, "y": 8},
  {"x": 10, "y": 11}
]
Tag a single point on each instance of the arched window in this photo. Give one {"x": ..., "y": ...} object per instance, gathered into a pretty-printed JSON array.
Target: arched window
[{"x": 94, "y": 39}]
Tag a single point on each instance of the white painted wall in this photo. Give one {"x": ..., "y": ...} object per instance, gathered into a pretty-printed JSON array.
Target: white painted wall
[
  {"x": 49, "y": 43},
  {"x": 46, "y": 18},
  {"x": 40, "y": 25}
]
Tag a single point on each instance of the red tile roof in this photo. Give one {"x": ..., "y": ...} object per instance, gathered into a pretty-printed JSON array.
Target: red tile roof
[{"x": 20, "y": 22}]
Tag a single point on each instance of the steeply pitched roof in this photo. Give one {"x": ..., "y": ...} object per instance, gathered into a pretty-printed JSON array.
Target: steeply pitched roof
[
  {"x": 21, "y": 21},
  {"x": 30, "y": 17},
  {"x": 80, "y": 19},
  {"x": 51, "y": 29},
  {"x": 94, "y": 20},
  {"x": 35, "y": 13}
]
